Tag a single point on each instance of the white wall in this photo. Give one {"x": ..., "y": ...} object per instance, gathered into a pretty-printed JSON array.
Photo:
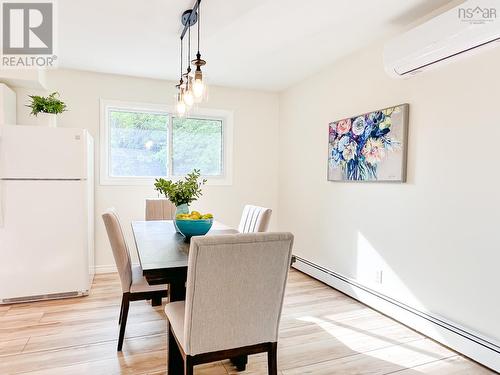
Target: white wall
[
  {"x": 254, "y": 148},
  {"x": 436, "y": 237}
]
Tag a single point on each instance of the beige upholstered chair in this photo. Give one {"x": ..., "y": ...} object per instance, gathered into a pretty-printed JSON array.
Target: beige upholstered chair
[
  {"x": 134, "y": 286},
  {"x": 254, "y": 219},
  {"x": 234, "y": 297},
  {"x": 159, "y": 209}
]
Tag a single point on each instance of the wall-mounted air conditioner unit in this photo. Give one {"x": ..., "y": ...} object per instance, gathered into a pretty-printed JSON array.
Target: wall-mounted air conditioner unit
[{"x": 464, "y": 29}]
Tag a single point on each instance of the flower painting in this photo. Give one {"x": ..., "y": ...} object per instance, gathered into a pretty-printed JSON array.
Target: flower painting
[{"x": 369, "y": 147}]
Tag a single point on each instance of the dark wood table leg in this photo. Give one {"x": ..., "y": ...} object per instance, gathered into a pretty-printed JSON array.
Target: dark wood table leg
[
  {"x": 177, "y": 291},
  {"x": 156, "y": 301},
  {"x": 240, "y": 362}
]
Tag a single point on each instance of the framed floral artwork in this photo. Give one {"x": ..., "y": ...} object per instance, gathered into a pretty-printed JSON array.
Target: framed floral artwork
[{"x": 369, "y": 147}]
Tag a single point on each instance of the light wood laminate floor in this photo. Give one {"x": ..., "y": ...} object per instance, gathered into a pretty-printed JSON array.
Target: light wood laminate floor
[{"x": 322, "y": 332}]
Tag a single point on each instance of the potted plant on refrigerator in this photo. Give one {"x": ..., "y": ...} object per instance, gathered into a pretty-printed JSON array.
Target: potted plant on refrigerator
[
  {"x": 48, "y": 107},
  {"x": 181, "y": 193}
]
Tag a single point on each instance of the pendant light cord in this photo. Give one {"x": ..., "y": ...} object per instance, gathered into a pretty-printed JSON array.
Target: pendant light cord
[
  {"x": 181, "y": 59},
  {"x": 199, "y": 21},
  {"x": 189, "y": 48}
]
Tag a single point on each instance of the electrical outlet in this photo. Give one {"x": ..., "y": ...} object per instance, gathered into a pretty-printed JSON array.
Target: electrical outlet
[{"x": 378, "y": 276}]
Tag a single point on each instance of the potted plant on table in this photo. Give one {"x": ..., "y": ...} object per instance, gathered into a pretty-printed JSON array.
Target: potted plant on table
[
  {"x": 48, "y": 107},
  {"x": 181, "y": 193}
]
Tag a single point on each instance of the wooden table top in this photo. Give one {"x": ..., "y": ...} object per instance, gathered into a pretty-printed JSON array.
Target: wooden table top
[{"x": 161, "y": 248}]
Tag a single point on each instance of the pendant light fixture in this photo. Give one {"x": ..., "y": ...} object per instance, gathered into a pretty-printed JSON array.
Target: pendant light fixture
[
  {"x": 192, "y": 86},
  {"x": 199, "y": 88}
]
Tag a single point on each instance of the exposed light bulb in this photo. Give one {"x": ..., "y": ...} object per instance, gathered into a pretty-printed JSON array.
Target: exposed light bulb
[
  {"x": 188, "y": 98},
  {"x": 198, "y": 88},
  {"x": 181, "y": 108},
  {"x": 180, "y": 105},
  {"x": 198, "y": 84}
]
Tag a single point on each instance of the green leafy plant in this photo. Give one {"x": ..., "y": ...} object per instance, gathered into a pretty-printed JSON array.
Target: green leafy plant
[
  {"x": 49, "y": 104},
  {"x": 182, "y": 191}
]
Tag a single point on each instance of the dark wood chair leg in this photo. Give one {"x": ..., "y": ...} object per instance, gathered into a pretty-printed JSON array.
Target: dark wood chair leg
[
  {"x": 240, "y": 362},
  {"x": 188, "y": 366},
  {"x": 156, "y": 301},
  {"x": 272, "y": 359},
  {"x": 123, "y": 324},
  {"x": 177, "y": 291},
  {"x": 121, "y": 313},
  {"x": 175, "y": 363}
]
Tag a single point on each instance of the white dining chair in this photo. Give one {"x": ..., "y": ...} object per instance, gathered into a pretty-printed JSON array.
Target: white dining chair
[
  {"x": 134, "y": 285},
  {"x": 234, "y": 298},
  {"x": 159, "y": 209},
  {"x": 254, "y": 219}
]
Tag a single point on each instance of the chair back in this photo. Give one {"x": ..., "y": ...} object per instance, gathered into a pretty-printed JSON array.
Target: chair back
[
  {"x": 235, "y": 289},
  {"x": 159, "y": 209},
  {"x": 119, "y": 247},
  {"x": 254, "y": 219}
]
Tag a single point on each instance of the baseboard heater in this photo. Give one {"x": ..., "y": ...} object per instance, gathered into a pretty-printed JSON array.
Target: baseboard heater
[{"x": 473, "y": 345}]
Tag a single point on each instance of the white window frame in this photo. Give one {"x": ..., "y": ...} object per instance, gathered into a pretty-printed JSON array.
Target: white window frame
[{"x": 203, "y": 113}]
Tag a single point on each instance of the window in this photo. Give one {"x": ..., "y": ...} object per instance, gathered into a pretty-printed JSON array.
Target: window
[
  {"x": 137, "y": 143},
  {"x": 141, "y": 142},
  {"x": 196, "y": 143}
]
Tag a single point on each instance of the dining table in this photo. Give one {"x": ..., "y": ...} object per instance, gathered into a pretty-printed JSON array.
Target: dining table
[{"x": 163, "y": 254}]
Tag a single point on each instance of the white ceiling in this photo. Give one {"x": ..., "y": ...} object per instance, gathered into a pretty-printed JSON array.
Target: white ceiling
[{"x": 261, "y": 44}]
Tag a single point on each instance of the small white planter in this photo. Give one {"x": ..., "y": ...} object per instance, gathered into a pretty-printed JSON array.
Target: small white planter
[{"x": 47, "y": 119}]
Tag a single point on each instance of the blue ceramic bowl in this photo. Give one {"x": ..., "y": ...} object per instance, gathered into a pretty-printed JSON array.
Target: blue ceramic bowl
[{"x": 190, "y": 228}]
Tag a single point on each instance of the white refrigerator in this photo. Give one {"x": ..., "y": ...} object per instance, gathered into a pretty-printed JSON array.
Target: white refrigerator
[{"x": 46, "y": 213}]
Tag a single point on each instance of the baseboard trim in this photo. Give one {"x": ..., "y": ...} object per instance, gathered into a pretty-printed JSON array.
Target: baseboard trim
[
  {"x": 106, "y": 268},
  {"x": 463, "y": 340},
  {"x": 109, "y": 268}
]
